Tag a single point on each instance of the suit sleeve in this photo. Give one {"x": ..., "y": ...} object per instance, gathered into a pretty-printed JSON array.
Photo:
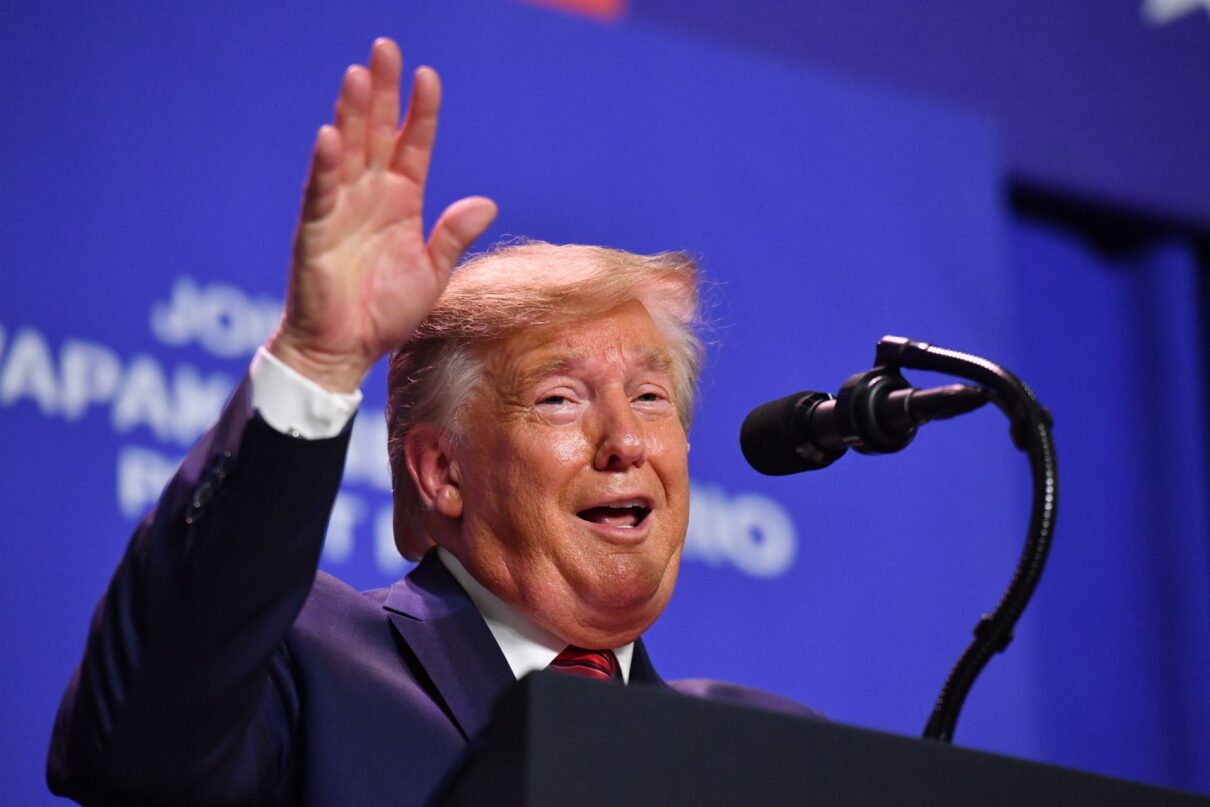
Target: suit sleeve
[{"x": 185, "y": 693}]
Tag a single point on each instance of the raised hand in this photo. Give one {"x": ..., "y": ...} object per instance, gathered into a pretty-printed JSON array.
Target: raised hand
[{"x": 363, "y": 275}]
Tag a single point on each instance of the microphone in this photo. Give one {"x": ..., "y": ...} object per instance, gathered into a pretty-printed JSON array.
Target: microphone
[{"x": 876, "y": 412}]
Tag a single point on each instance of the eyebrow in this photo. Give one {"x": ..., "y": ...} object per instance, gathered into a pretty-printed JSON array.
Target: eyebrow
[{"x": 652, "y": 358}]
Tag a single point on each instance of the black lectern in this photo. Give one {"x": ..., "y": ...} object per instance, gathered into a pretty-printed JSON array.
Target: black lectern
[{"x": 558, "y": 740}]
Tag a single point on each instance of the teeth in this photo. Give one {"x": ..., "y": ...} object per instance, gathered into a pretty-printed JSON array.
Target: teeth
[{"x": 623, "y": 514}]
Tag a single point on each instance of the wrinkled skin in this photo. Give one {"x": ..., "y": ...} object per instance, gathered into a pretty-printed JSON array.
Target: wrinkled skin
[{"x": 569, "y": 496}]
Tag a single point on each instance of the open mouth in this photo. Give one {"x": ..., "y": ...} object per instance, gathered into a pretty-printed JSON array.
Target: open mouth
[{"x": 619, "y": 515}]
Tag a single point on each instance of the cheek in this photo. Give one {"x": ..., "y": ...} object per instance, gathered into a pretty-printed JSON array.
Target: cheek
[
  {"x": 669, "y": 448},
  {"x": 562, "y": 448},
  {"x": 532, "y": 473},
  {"x": 670, "y": 444}
]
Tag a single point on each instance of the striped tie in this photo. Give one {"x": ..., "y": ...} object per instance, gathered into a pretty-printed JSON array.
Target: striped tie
[{"x": 599, "y": 664}]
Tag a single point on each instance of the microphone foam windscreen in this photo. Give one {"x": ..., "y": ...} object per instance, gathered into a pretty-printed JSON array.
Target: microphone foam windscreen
[{"x": 769, "y": 437}]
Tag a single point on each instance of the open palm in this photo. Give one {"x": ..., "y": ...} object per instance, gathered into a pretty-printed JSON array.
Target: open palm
[{"x": 363, "y": 275}]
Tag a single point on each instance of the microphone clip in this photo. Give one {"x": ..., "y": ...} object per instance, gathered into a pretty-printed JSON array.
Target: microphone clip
[{"x": 878, "y": 411}]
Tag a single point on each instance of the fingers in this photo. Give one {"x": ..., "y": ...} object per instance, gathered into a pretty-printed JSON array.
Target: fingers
[
  {"x": 415, "y": 145},
  {"x": 386, "y": 65},
  {"x": 460, "y": 224},
  {"x": 352, "y": 113},
  {"x": 323, "y": 183}
]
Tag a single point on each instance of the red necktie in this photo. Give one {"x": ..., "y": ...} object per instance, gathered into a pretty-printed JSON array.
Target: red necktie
[{"x": 599, "y": 664}]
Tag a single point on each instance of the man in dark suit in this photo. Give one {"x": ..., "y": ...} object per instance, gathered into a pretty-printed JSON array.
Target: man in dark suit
[{"x": 538, "y": 407}]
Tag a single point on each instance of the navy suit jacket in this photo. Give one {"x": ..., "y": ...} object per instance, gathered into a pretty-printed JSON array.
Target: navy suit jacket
[{"x": 222, "y": 668}]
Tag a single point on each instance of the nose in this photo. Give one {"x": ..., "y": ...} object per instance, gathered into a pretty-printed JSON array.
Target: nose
[{"x": 621, "y": 441}]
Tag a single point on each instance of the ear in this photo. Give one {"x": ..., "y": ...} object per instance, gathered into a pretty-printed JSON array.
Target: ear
[{"x": 433, "y": 471}]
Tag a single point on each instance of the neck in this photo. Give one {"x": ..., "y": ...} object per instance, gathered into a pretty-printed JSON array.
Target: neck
[{"x": 526, "y": 645}]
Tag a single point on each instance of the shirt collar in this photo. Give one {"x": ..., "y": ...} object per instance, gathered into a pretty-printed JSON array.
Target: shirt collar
[{"x": 526, "y": 646}]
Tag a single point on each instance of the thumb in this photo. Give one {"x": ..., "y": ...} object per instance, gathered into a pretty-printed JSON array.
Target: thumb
[{"x": 460, "y": 224}]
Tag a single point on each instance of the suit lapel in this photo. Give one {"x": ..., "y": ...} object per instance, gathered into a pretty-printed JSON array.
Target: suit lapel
[
  {"x": 441, "y": 625},
  {"x": 443, "y": 628},
  {"x": 642, "y": 671}
]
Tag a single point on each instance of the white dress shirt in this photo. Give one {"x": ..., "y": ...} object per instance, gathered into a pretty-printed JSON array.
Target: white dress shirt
[{"x": 526, "y": 646}]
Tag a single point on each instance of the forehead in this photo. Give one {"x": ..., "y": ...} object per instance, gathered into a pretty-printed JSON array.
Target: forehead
[{"x": 626, "y": 338}]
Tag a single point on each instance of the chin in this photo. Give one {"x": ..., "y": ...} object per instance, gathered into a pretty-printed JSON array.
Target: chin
[
  {"x": 609, "y": 632},
  {"x": 629, "y": 595}
]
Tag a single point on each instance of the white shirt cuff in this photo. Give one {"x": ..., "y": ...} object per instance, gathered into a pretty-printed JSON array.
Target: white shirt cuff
[{"x": 295, "y": 405}]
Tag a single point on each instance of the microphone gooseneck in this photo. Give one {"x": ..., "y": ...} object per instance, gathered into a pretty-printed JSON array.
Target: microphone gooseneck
[{"x": 878, "y": 412}]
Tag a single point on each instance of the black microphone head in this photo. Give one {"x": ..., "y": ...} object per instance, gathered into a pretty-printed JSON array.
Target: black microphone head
[{"x": 775, "y": 437}]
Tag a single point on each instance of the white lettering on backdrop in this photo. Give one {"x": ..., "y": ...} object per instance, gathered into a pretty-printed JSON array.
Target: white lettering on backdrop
[{"x": 142, "y": 397}]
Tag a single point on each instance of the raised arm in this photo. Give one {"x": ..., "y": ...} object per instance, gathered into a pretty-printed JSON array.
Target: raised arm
[
  {"x": 185, "y": 694},
  {"x": 363, "y": 273}
]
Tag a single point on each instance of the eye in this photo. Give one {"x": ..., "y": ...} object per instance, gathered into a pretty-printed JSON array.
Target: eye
[
  {"x": 558, "y": 398},
  {"x": 652, "y": 399},
  {"x": 559, "y": 406}
]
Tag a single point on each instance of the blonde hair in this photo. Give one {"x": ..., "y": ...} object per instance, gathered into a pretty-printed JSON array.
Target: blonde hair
[{"x": 504, "y": 291}]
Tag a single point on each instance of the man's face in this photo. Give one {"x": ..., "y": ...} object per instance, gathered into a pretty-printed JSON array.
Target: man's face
[{"x": 573, "y": 477}]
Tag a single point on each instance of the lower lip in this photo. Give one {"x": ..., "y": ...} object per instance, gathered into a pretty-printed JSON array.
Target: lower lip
[{"x": 620, "y": 535}]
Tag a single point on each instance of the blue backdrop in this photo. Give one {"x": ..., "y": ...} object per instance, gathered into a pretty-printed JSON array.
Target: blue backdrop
[{"x": 151, "y": 166}]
